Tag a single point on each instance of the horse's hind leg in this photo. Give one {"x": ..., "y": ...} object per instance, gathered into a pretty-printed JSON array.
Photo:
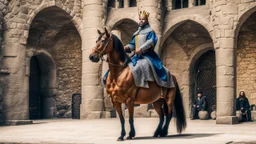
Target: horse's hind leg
[
  {"x": 130, "y": 105},
  {"x": 168, "y": 104},
  {"x": 158, "y": 107},
  {"x": 119, "y": 111}
]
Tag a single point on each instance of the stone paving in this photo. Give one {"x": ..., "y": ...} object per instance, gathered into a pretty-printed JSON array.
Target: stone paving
[{"x": 62, "y": 131}]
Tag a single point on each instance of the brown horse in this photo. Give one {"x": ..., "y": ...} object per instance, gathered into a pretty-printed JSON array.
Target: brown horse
[{"x": 121, "y": 87}]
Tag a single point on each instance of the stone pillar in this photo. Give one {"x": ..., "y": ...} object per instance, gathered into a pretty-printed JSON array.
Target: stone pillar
[
  {"x": 191, "y": 3},
  {"x": 155, "y": 17},
  {"x": 92, "y": 91},
  {"x": 224, "y": 15},
  {"x": 169, "y": 5},
  {"x": 126, "y": 3}
]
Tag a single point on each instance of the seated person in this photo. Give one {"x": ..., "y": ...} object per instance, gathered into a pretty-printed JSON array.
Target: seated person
[
  {"x": 242, "y": 105},
  {"x": 199, "y": 104}
]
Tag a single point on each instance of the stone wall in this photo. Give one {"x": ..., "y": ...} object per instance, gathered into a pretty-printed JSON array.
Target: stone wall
[
  {"x": 177, "y": 50},
  {"x": 3, "y": 74},
  {"x": 68, "y": 58},
  {"x": 246, "y": 59}
]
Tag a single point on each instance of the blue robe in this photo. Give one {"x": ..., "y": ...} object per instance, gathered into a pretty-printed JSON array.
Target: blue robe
[{"x": 145, "y": 38}]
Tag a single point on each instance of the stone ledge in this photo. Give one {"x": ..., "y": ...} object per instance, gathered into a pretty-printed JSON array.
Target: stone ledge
[
  {"x": 227, "y": 120},
  {"x": 4, "y": 71},
  {"x": 17, "y": 122}
]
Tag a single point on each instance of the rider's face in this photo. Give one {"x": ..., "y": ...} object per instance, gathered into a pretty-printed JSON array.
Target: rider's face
[{"x": 143, "y": 21}]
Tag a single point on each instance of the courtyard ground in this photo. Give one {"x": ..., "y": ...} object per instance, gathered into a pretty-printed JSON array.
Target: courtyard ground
[{"x": 106, "y": 131}]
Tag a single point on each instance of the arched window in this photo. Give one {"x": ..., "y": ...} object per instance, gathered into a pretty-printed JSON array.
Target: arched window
[{"x": 178, "y": 4}]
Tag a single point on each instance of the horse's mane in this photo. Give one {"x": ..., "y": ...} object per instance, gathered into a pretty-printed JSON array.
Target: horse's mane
[{"x": 118, "y": 47}]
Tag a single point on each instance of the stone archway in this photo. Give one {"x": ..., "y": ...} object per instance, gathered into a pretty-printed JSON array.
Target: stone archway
[
  {"x": 53, "y": 32},
  {"x": 42, "y": 87},
  {"x": 246, "y": 58},
  {"x": 180, "y": 52}
]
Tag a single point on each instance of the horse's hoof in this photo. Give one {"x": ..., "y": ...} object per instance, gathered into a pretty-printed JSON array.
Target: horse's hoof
[
  {"x": 163, "y": 134},
  {"x": 120, "y": 139},
  {"x": 155, "y": 135},
  {"x": 129, "y": 138}
]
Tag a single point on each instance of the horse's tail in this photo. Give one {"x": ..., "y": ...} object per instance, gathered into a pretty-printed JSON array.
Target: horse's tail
[{"x": 181, "y": 123}]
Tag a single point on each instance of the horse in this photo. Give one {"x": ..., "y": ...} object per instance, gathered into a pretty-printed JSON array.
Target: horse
[{"x": 120, "y": 86}]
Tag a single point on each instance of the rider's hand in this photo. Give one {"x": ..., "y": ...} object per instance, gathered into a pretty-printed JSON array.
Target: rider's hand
[
  {"x": 139, "y": 52},
  {"x": 126, "y": 48}
]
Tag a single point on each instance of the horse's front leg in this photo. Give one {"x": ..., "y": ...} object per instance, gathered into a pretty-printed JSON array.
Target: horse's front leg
[
  {"x": 130, "y": 105},
  {"x": 119, "y": 111}
]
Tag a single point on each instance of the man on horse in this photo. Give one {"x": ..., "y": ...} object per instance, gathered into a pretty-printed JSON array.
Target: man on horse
[{"x": 143, "y": 43}]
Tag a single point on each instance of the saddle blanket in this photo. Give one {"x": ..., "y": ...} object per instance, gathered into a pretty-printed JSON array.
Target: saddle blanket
[{"x": 144, "y": 72}]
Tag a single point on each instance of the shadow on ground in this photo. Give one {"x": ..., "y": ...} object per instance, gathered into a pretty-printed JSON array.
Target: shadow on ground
[{"x": 179, "y": 136}]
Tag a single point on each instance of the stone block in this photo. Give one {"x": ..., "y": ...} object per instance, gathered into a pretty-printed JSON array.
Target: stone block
[
  {"x": 91, "y": 67},
  {"x": 141, "y": 111},
  {"x": 226, "y": 70},
  {"x": 225, "y": 108},
  {"x": 91, "y": 79},
  {"x": 225, "y": 94},
  {"x": 92, "y": 92},
  {"x": 224, "y": 57},
  {"x": 92, "y": 2},
  {"x": 93, "y": 104},
  {"x": 11, "y": 49},
  {"x": 229, "y": 33},
  {"x": 227, "y": 120},
  {"x": 225, "y": 80},
  {"x": 17, "y": 122},
  {"x": 230, "y": 9},
  {"x": 91, "y": 115}
]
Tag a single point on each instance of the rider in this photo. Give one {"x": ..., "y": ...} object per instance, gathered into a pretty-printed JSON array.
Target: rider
[{"x": 143, "y": 42}]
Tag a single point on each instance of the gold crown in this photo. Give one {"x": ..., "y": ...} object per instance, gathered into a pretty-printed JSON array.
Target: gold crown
[{"x": 143, "y": 14}]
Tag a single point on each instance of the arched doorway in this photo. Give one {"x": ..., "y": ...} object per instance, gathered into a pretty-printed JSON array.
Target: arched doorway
[
  {"x": 35, "y": 85},
  {"x": 56, "y": 43},
  {"x": 179, "y": 54},
  {"x": 205, "y": 78},
  {"x": 246, "y": 58},
  {"x": 42, "y": 84}
]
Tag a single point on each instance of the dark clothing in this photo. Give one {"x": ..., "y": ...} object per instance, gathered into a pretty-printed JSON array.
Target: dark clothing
[
  {"x": 198, "y": 105},
  {"x": 242, "y": 104}
]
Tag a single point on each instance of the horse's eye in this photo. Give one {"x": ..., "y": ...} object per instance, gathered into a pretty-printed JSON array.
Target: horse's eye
[{"x": 103, "y": 41}]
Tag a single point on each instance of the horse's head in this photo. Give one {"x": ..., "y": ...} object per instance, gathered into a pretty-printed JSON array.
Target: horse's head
[{"x": 103, "y": 46}]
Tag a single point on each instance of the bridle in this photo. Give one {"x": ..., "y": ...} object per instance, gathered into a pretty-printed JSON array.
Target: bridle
[{"x": 101, "y": 53}]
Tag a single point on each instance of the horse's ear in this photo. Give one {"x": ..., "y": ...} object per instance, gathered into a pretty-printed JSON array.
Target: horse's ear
[
  {"x": 106, "y": 32},
  {"x": 99, "y": 32}
]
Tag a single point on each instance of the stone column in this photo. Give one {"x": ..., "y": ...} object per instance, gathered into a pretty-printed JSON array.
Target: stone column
[
  {"x": 191, "y": 3},
  {"x": 126, "y": 3},
  {"x": 92, "y": 91},
  {"x": 15, "y": 91},
  {"x": 224, "y": 15}
]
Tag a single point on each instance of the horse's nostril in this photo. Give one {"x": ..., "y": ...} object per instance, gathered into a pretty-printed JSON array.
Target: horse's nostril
[{"x": 91, "y": 57}]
